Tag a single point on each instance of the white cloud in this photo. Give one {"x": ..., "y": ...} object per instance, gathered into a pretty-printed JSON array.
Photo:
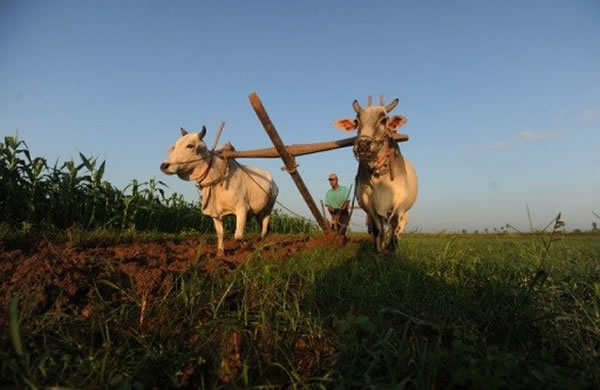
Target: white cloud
[
  {"x": 586, "y": 115},
  {"x": 558, "y": 115},
  {"x": 523, "y": 137},
  {"x": 589, "y": 115}
]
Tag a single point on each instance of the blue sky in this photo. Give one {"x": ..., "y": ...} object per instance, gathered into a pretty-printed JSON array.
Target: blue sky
[{"x": 502, "y": 98}]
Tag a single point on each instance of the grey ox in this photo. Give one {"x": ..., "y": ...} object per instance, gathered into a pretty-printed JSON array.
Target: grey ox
[
  {"x": 386, "y": 182},
  {"x": 227, "y": 187}
]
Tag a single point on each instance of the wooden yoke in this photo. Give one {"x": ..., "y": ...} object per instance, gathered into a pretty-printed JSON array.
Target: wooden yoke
[
  {"x": 288, "y": 160},
  {"x": 299, "y": 149}
]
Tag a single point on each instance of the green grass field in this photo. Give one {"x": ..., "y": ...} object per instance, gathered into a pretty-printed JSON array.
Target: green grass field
[
  {"x": 463, "y": 311},
  {"x": 104, "y": 287}
]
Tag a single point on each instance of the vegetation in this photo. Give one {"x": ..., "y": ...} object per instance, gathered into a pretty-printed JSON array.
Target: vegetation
[{"x": 35, "y": 195}]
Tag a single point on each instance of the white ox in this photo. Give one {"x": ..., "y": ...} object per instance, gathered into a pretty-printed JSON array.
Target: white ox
[
  {"x": 386, "y": 182},
  {"x": 227, "y": 187}
]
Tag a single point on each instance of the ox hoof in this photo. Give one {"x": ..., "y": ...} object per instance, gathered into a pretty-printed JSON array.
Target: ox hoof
[
  {"x": 220, "y": 252},
  {"x": 389, "y": 249}
]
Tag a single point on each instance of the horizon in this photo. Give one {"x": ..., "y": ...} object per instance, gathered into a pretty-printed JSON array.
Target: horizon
[{"x": 502, "y": 100}]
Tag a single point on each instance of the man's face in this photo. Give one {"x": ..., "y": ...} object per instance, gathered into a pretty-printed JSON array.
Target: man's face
[{"x": 333, "y": 182}]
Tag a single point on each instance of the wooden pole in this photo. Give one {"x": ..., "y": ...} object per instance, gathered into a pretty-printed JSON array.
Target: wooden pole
[
  {"x": 288, "y": 160},
  {"x": 299, "y": 149},
  {"x": 323, "y": 211},
  {"x": 219, "y": 131}
]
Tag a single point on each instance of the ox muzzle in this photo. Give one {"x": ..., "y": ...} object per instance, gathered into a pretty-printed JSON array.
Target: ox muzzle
[
  {"x": 164, "y": 167},
  {"x": 366, "y": 148}
]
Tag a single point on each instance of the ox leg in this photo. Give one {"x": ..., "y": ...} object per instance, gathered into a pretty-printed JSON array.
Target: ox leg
[
  {"x": 374, "y": 226},
  {"x": 264, "y": 217},
  {"x": 263, "y": 221},
  {"x": 387, "y": 240},
  {"x": 392, "y": 237},
  {"x": 401, "y": 224},
  {"x": 240, "y": 223},
  {"x": 219, "y": 229},
  {"x": 379, "y": 233}
]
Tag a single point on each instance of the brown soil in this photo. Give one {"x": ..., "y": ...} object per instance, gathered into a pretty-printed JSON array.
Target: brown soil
[{"x": 71, "y": 272}]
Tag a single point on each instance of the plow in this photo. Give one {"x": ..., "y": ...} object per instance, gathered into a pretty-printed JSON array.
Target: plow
[{"x": 288, "y": 153}]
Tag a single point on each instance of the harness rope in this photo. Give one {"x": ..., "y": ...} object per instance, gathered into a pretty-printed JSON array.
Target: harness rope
[
  {"x": 266, "y": 192},
  {"x": 205, "y": 173}
]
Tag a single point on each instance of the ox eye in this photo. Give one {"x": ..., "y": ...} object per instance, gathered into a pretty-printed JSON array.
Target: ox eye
[
  {"x": 189, "y": 146},
  {"x": 384, "y": 120}
]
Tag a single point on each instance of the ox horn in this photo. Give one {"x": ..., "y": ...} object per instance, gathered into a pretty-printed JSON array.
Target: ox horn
[
  {"x": 391, "y": 106},
  {"x": 369, "y": 100},
  {"x": 202, "y": 133},
  {"x": 381, "y": 100},
  {"x": 183, "y": 131},
  {"x": 356, "y": 106}
]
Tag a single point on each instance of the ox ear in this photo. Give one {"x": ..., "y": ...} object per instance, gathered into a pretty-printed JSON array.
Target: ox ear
[
  {"x": 202, "y": 133},
  {"x": 183, "y": 131},
  {"x": 346, "y": 124},
  {"x": 396, "y": 122}
]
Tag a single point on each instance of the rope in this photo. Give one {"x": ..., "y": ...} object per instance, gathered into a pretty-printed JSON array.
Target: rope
[
  {"x": 276, "y": 201},
  {"x": 210, "y": 154}
]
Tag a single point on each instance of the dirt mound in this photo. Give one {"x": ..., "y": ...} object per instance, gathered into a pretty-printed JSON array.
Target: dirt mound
[{"x": 64, "y": 273}]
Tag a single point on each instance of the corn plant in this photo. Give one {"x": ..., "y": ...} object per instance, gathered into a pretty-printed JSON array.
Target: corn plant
[{"x": 75, "y": 194}]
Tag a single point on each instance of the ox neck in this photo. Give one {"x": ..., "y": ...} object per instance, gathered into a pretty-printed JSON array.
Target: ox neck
[{"x": 214, "y": 172}]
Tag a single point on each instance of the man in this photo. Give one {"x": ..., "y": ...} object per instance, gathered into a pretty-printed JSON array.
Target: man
[{"x": 337, "y": 203}]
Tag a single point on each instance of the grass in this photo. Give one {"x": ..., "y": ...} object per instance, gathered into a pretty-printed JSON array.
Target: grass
[{"x": 442, "y": 312}]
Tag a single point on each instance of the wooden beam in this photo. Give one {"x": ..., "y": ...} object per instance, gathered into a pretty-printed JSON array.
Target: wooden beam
[
  {"x": 299, "y": 149},
  {"x": 288, "y": 160}
]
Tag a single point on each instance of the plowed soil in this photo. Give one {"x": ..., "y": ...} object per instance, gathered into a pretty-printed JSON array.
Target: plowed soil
[{"x": 52, "y": 269}]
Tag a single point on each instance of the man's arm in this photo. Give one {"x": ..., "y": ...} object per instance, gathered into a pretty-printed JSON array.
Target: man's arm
[{"x": 345, "y": 205}]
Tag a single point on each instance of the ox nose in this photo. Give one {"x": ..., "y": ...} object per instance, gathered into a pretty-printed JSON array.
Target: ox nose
[
  {"x": 364, "y": 146},
  {"x": 164, "y": 166}
]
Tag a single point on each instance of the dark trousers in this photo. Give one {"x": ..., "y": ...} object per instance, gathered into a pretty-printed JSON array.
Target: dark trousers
[{"x": 340, "y": 221}]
